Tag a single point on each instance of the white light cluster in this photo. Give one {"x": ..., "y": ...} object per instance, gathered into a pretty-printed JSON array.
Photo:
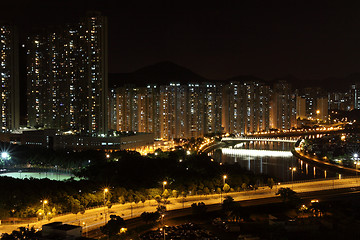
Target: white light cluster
[{"x": 260, "y": 153}]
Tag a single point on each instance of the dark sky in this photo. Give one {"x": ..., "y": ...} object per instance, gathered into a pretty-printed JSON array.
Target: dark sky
[{"x": 268, "y": 39}]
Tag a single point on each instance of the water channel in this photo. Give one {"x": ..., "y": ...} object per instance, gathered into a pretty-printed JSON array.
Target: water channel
[{"x": 274, "y": 159}]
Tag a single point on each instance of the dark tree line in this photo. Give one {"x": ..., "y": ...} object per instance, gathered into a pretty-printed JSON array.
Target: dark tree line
[{"x": 130, "y": 177}]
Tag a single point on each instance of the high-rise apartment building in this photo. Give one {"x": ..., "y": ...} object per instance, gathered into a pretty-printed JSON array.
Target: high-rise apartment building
[
  {"x": 9, "y": 74},
  {"x": 283, "y": 106},
  {"x": 316, "y": 104},
  {"x": 340, "y": 101},
  {"x": 153, "y": 110},
  {"x": 67, "y": 77},
  {"x": 136, "y": 109},
  {"x": 169, "y": 111},
  {"x": 213, "y": 108},
  {"x": 127, "y": 99},
  {"x": 355, "y": 96},
  {"x": 195, "y": 110},
  {"x": 300, "y": 108},
  {"x": 173, "y": 119},
  {"x": 246, "y": 107},
  {"x": 322, "y": 108}
]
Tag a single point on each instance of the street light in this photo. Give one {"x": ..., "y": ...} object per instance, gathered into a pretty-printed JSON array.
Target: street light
[
  {"x": 224, "y": 178},
  {"x": 164, "y": 183},
  {"x": 224, "y": 181},
  {"x": 5, "y": 155},
  {"x": 44, "y": 202},
  {"x": 292, "y": 169},
  {"x": 106, "y": 190},
  {"x": 84, "y": 227},
  {"x": 356, "y": 163}
]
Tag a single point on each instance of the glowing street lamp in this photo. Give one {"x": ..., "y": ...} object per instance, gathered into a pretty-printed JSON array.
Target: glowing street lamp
[
  {"x": 224, "y": 178},
  {"x": 44, "y": 202},
  {"x": 356, "y": 163},
  {"x": 5, "y": 156},
  {"x": 106, "y": 190},
  {"x": 164, "y": 184},
  {"x": 292, "y": 169}
]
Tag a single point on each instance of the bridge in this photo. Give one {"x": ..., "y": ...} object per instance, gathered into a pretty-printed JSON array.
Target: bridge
[
  {"x": 249, "y": 139},
  {"x": 254, "y": 152}
]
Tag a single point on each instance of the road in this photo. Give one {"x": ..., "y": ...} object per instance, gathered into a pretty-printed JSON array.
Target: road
[{"x": 94, "y": 218}]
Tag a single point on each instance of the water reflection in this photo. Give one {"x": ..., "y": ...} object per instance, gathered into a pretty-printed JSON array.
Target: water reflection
[{"x": 275, "y": 166}]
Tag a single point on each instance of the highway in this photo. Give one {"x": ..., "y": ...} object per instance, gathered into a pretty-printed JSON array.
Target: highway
[{"x": 94, "y": 218}]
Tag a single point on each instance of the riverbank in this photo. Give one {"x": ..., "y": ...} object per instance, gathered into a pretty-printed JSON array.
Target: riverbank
[{"x": 334, "y": 167}]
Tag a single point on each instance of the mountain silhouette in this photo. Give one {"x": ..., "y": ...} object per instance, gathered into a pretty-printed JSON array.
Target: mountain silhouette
[
  {"x": 161, "y": 73},
  {"x": 165, "y": 72}
]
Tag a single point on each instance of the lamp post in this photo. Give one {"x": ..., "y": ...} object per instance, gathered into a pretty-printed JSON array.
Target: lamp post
[
  {"x": 317, "y": 114},
  {"x": 164, "y": 184},
  {"x": 224, "y": 181},
  {"x": 44, "y": 202},
  {"x": 106, "y": 190},
  {"x": 292, "y": 169},
  {"x": 84, "y": 227},
  {"x": 356, "y": 163}
]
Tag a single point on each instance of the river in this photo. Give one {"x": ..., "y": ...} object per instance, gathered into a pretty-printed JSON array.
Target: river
[{"x": 275, "y": 161}]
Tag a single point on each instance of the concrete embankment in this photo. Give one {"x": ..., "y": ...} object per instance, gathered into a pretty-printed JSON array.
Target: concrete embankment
[{"x": 323, "y": 164}]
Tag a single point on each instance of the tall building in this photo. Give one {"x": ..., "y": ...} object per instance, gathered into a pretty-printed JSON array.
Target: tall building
[
  {"x": 355, "y": 96},
  {"x": 112, "y": 117},
  {"x": 127, "y": 100},
  {"x": 135, "y": 109},
  {"x": 9, "y": 70},
  {"x": 283, "y": 106},
  {"x": 340, "y": 101},
  {"x": 322, "y": 107},
  {"x": 173, "y": 119},
  {"x": 152, "y": 110},
  {"x": 316, "y": 103},
  {"x": 213, "y": 108},
  {"x": 246, "y": 107},
  {"x": 195, "y": 111},
  {"x": 300, "y": 107},
  {"x": 67, "y": 77}
]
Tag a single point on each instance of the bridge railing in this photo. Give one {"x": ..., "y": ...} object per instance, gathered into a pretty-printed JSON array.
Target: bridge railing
[{"x": 257, "y": 139}]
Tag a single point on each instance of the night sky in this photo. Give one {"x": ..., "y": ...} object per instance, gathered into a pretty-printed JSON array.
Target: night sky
[{"x": 268, "y": 39}]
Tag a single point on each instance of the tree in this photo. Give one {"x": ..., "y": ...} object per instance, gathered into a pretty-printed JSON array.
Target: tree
[
  {"x": 158, "y": 199},
  {"x": 206, "y": 191},
  {"x": 198, "y": 208},
  {"x": 166, "y": 194},
  {"x": 150, "y": 217},
  {"x": 161, "y": 209},
  {"x": 113, "y": 226},
  {"x": 175, "y": 193},
  {"x": 228, "y": 203},
  {"x": 286, "y": 194},
  {"x": 289, "y": 196},
  {"x": 244, "y": 186},
  {"x": 226, "y": 187},
  {"x": 270, "y": 183},
  {"x": 22, "y": 233},
  {"x": 122, "y": 200}
]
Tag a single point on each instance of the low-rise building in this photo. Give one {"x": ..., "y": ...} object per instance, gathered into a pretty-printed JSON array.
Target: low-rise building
[{"x": 53, "y": 139}]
